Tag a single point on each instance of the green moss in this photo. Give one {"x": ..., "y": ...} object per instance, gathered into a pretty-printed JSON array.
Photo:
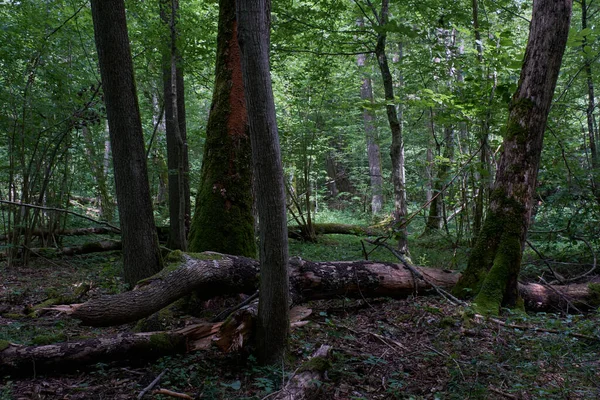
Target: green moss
[
  {"x": 4, "y": 344},
  {"x": 207, "y": 256},
  {"x": 594, "y": 297},
  {"x": 223, "y": 219},
  {"x": 41, "y": 340},
  {"x": 175, "y": 256},
  {"x": 319, "y": 364},
  {"x": 159, "y": 321},
  {"x": 161, "y": 342},
  {"x": 519, "y": 112},
  {"x": 495, "y": 260}
]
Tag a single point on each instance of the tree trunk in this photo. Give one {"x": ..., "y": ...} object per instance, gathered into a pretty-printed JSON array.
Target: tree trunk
[
  {"x": 397, "y": 147},
  {"x": 373, "y": 151},
  {"x": 494, "y": 263},
  {"x": 591, "y": 120},
  {"x": 211, "y": 274},
  {"x": 435, "y": 219},
  {"x": 177, "y": 157},
  {"x": 254, "y": 17},
  {"x": 141, "y": 255},
  {"x": 223, "y": 219}
]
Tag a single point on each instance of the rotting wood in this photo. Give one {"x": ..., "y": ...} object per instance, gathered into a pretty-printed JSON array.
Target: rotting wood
[
  {"x": 230, "y": 335},
  {"x": 304, "y": 384},
  {"x": 209, "y": 274}
]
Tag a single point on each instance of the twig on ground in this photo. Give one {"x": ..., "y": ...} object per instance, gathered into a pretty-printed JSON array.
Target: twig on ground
[
  {"x": 536, "y": 329},
  {"x": 152, "y": 384},
  {"x": 501, "y": 393},
  {"x": 171, "y": 393}
]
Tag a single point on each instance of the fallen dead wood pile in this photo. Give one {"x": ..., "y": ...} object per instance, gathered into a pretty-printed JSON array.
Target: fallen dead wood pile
[{"x": 210, "y": 274}]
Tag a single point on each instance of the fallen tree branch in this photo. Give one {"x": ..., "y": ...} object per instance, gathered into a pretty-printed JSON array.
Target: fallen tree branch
[
  {"x": 479, "y": 317},
  {"x": 152, "y": 384},
  {"x": 62, "y": 210},
  {"x": 230, "y": 335},
  {"x": 171, "y": 393}
]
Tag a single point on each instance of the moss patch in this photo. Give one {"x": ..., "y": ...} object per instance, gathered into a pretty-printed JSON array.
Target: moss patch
[{"x": 4, "y": 344}]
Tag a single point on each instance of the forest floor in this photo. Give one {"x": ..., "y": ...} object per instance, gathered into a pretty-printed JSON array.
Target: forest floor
[{"x": 418, "y": 348}]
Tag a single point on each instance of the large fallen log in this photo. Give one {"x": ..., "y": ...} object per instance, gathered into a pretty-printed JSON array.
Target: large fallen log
[
  {"x": 208, "y": 274},
  {"x": 295, "y": 232}
]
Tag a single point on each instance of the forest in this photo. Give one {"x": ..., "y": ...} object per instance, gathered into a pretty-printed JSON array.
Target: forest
[{"x": 305, "y": 199}]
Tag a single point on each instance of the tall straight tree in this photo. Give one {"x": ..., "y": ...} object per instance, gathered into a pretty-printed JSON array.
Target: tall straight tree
[
  {"x": 176, "y": 130},
  {"x": 373, "y": 150},
  {"x": 141, "y": 254},
  {"x": 254, "y": 19},
  {"x": 397, "y": 147},
  {"x": 223, "y": 219},
  {"x": 494, "y": 263}
]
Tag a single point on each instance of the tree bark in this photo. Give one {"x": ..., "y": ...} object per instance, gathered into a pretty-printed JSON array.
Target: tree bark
[
  {"x": 397, "y": 147},
  {"x": 590, "y": 111},
  {"x": 141, "y": 256},
  {"x": 176, "y": 131},
  {"x": 373, "y": 150},
  {"x": 254, "y": 18},
  {"x": 73, "y": 355},
  {"x": 435, "y": 218},
  {"x": 223, "y": 219},
  {"x": 494, "y": 263}
]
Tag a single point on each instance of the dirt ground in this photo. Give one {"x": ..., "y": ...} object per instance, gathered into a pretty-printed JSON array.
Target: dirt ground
[{"x": 419, "y": 348}]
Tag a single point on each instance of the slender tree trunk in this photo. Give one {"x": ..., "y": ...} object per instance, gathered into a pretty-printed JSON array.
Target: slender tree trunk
[
  {"x": 591, "y": 122},
  {"x": 397, "y": 147},
  {"x": 254, "y": 17},
  {"x": 177, "y": 160},
  {"x": 141, "y": 255},
  {"x": 373, "y": 151},
  {"x": 483, "y": 178},
  {"x": 223, "y": 219},
  {"x": 435, "y": 219},
  {"x": 494, "y": 263},
  {"x": 97, "y": 170}
]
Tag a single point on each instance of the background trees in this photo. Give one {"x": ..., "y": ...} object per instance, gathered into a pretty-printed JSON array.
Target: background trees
[{"x": 454, "y": 78}]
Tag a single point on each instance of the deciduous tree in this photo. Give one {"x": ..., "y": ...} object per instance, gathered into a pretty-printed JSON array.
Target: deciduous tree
[
  {"x": 273, "y": 315},
  {"x": 141, "y": 255},
  {"x": 494, "y": 264}
]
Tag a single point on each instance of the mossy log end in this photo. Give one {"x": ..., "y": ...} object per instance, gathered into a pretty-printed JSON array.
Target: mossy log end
[{"x": 209, "y": 274}]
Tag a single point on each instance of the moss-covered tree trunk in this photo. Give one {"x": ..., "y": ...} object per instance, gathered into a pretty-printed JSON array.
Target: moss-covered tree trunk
[
  {"x": 494, "y": 263},
  {"x": 223, "y": 219}
]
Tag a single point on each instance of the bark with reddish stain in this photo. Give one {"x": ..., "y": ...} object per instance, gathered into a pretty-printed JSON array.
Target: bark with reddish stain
[{"x": 223, "y": 219}]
